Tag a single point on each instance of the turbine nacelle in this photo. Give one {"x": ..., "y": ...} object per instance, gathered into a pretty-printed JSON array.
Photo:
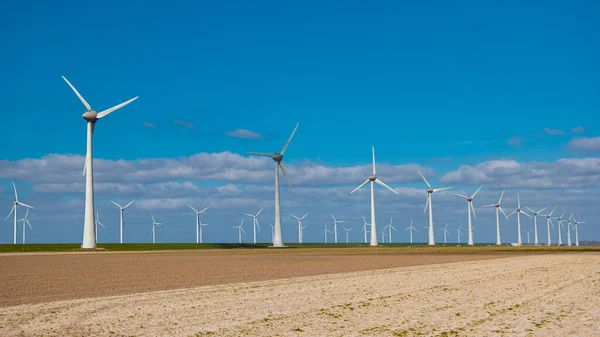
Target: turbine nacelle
[
  {"x": 90, "y": 116},
  {"x": 372, "y": 177},
  {"x": 278, "y": 157}
]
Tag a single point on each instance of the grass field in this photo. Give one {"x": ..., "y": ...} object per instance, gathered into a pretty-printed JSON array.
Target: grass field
[{"x": 360, "y": 247}]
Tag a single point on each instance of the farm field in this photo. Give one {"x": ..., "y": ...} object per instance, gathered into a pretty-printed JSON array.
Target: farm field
[{"x": 300, "y": 292}]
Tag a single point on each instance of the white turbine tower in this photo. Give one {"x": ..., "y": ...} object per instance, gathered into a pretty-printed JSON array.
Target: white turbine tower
[
  {"x": 121, "y": 218},
  {"x": 535, "y": 230},
  {"x": 373, "y": 179},
  {"x": 272, "y": 232},
  {"x": 25, "y": 221},
  {"x": 549, "y": 222},
  {"x": 430, "y": 191},
  {"x": 576, "y": 226},
  {"x": 278, "y": 158},
  {"x": 390, "y": 227},
  {"x": 411, "y": 229},
  {"x": 154, "y": 224},
  {"x": 459, "y": 232},
  {"x": 364, "y": 228},
  {"x": 199, "y": 224},
  {"x": 14, "y": 210},
  {"x": 569, "y": 234},
  {"x": 98, "y": 223},
  {"x": 300, "y": 227},
  {"x": 240, "y": 231},
  {"x": 498, "y": 209},
  {"x": 469, "y": 209},
  {"x": 255, "y": 221},
  {"x": 326, "y": 231},
  {"x": 528, "y": 236},
  {"x": 91, "y": 117},
  {"x": 335, "y": 222},
  {"x": 445, "y": 230},
  {"x": 347, "y": 231},
  {"x": 382, "y": 235},
  {"x": 519, "y": 211}
]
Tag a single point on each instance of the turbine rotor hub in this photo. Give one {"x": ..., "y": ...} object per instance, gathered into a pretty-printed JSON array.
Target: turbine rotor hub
[
  {"x": 90, "y": 116},
  {"x": 277, "y": 157},
  {"x": 430, "y": 190},
  {"x": 469, "y": 199},
  {"x": 372, "y": 177}
]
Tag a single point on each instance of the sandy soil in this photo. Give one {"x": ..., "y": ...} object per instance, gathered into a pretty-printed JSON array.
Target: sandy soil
[
  {"x": 542, "y": 295},
  {"x": 50, "y": 277}
]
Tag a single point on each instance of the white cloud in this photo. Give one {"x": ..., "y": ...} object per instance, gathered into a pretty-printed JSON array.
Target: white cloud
[
  {"x": 586, "y": 144},
  {"x": 150, "y": 125},
  {"x": 243, "y": 134},
  {"x": 516, "y": 141},
  {"x": 578, "y": 129},
  {"x": 185, "y": 124},
  {"x": 554, "y": 132}
]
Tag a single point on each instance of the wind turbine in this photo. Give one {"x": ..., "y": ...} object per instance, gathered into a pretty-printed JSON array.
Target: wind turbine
[
  {"x": 335, "y": 222},
  {"x": 255, "y": 221},
  {"x": 278, "y": 158},
  {"x": 528, "y": 236},
  {"x": 459, "y": 232},
  {"x": 91, "y": 117},
  {"x": 560, "y": 225},
  {"x": 373, "y": 179},
  {"x": 300, "y": 227},
  {"x": 519, "y": 211},
  {"x": 121, "y": 218},
  {"x": 469, "y": 209},
  {"x": 569, "y": 234},
  {"x": 240, "y": 231},
  {"x": 411, "y": 229},
  {"x": 445, "y": 230},
  {"x": 576, "y": 226},
  {"x": 97, "y": 220},
  {"x": 535, "y": 231},
  {"x": 390, "y": 227},
  {"x": 24, "y": 220},
  {"x": 569, "y": 222},
  {"x": 272, "y": 232},
  {"x": 14, "y": 210},
  {"x": 549, "y": 222},
  {"x": 364, "y": 228},
  {"x": 498, "y": 209},
  {"x": 430, "y": 191},
  {"x": 199, "y": 223},
  {"x": 326, "y": 231},
  {"x": 154, "y": 224},
  {"x": 347, "y": 231},
  {"x": 383, "y": 235}
]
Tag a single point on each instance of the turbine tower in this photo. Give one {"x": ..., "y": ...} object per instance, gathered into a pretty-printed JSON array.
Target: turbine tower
[
  {"x": 121, "y": 219},
  {"x": 14, "y": 210},
  {"x": 91, "y": 117},
  {"x": 347, "y": 231},
  {"x": 576, "y": 226},
  {"x": 519, "y": 211},
  {"x": 373, "y": 179},
  {"x": 364, "y": 228},
  {"x": 498, "y": 209},
  {"x": 255, "y": 222},
  {"x": 569, "y": 224},
  {"x": 335, "y": 222},
  {"x": 445, "y": 230},
  {"x": 535, "y": 231},
  {"x": 98, "y": 223},
  {"x": 469, "y": 209},
  {"x": 549, "y": 222},
  {"x": 326, "y": 231},
  {"x": 278, "y": 158},
  {"x": 459, "y": 232},
  {"x": 272, "y": 232},
  {"x": 528, "y": 236},
  {"x": 410, "y": 228},
  {"x": 430, "y": 191},
  {"x": 569, "y": 235},
  {"x": 199, "y": 224},
  {"x": 300, "y": 227},
  {"x": 24, "y": 220},
  {"x": 154, "y": 224},
  {"x": 240, "y": 230},
  {"x": 389, "y": 228}
]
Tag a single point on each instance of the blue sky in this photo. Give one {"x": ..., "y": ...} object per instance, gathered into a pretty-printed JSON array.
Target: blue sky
[{"x": 439, "y": 85}]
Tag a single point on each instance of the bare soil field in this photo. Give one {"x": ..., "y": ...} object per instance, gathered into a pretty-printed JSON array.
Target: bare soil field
[
  {"x": 41, "y": 277},
  {"x": 538, "y": 295}
]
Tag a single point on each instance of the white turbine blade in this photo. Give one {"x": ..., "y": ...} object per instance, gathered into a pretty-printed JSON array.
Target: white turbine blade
[
  {"x": 460, "y": 195},
  {"x": 541, "y": 210},
  {"x": 552, "y": 223},
  {"x": 248, "y": 214},
  {"x": 11, "y": 210},
  {"x": 416, "y": 230},
  {"x": 261, "y": 154},
  {"x": 425, "y": 180},
  {"x": 552, "y": 211},
  {"x": 526, "y": 214},
  {"x": 257, "y": 225},
  {"x": 361, "y": 185},
  {"x": 304, "y": 216},
  {"x": 441, "y": 189},
  {"x": 518, "y": 201},
  {"x": 501, "y": 210},
  {"x": 28, "y": 224},
  {"x": 384, "y": 185},
  {"x": 100, "y": 223},
  {"x": 580, "y": 222},
  {"x": 259, "y": 212},
  {"x": 129, "y": 203},
  {"x": 297, "y": 218},
  {"x": 563, "y": 214},
  {"x": 473, "y": 209},
  {"x": 474, "y": 194},
  {"x": 193, "y": 208},
  {"x": 490, "y": 205},
  {"x": 286, "y": 176},
  {"x": 289, "y": 140},
  {"x": 153, "y": 218},
  {"x": 532, "y": 211},
  {"x": 426, "y": 204},
  {"x": 25, "y": 205},
  {"x": 243, "y": 231},
  {"x": 407, "y": 228},
  {"x": 501, "y": 195},
  {"x": 116, "y": 204},
  {"x": 333, "y": 217},
  {"x": 15, "y": 189},
  {"x": 205, "y": 208},
  {"x": 87, "y": 106},
  {"x": 513, "y": 212},
  {"x": 373, "y": 150},
  {"x": 340, "y": 221},
  {"x": 116, "y": 107}
]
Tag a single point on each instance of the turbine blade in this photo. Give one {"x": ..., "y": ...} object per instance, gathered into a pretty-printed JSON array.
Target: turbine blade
[
  {"x": 425, "y": 180},
  {"x": 297, "y": 218},
  {"x": 373, "y": 150},
  {"x": 116, "y": 204},
  {"x": 304, "y": 216},
  {"x": 202, "y": 211},
  {"x": 259, "y": 212},
  {"x": 262, "y": 154},
  {"x": 532, "y": 211},
  {"x": 501, "y": 210},
  {"x": 473, "y": 210},
  {"x": 526, "y": 214},
  {"x": 193, "y": 208},
  {"x": 87, "y": 106},
  {"x": 501, "y": 195},
  {"x": 11, "y": 210},
  {"x": 289, "y": 140},
  {"x": 384, "y": 185},
  {"x": 490, "y": 205},
  {"x": 460, "y": 195},
  {"x": 541, "y": 210},
  {"x": 129, "y": 203},
  {"x": 100, "y": 223},
  {"x": 28, "y": 224},
  {"x": 552, "y": 211},
  {"x": 286, "y": 176},
  {"x": 15, "y": 189},
  {"x": 426, "y": 204},
  {"x": 116, "y": 107},
  {"x": 474, "y": 194},
  {"x": 25, "y": 205},
  {"x": 153, "y": 218},
  {"x": 513, "y": 212},
  {"x": 441, "y": 189},
  {"x": 361, "y": 185}
]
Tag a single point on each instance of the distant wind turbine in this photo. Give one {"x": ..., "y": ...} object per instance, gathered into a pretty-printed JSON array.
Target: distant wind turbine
[
  {"x": 98, "y": 223},
  {"x": 199, "y": 223},
  {"x": 300, "y": 226},
  {"x": 364, "y": 228},
  {"x": 347, "y": 231},
  {"x": 576, "y": 226},
  {"x": 430, "y": 191},
  {"x": 121, "y": 218},
  {"x": 569, "y": 234},
  {"x": 445, "y": 230},
  {"x": 154, "y": 224},
  {"x": 373, "y": 179},
  {"x": 278, "y": 158},
  {"x": 528, "y": 236},
  {"x": 535, "y": 230},
  {"x": 389, "y": 228},
  {"x": 459, "y": 232},
  {"x": 335, "y": 222},
  {"x": 549, "y": 222},
  {"x": 272, "y": 232},
  {"x": 13, "y": 211},
  {"x": 411, "y": 229},
  {"x": 519, "y": 211},
  {"x": 24, "y": 220},
  {"x": 240, "y": 231},
  {"x": 91, "y": 117},
  {"x": 469, "y": 209},
  {"x": 255, "y": 224},
  {"x": 326, "y": 231},
  {"x": 498, "y": 209}
]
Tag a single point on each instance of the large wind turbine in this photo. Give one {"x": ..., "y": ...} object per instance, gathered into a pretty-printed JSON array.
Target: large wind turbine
[
  {"x": 300, "y": 227},
  {"x": 498, "y": 209},
  {"x": 24, "y": 220},
  {"x": 469, "y": 209},
  {"x": 576, "y": 226},
  {"x": 254, "y": 222},
  {"x": 390, "y": 227},
  {"x": 121, "y": 219},
  {"x": 535, "y": 231},
  {"x": 411, "y": 229},
  {"x": 278, "y": 158},
  {"x": 430, "y": 191},
  {"x": 97, "y": 220},
  {"x": 335, "y": 222},
  {"x": 199, "y": 225},
  {"x": 519, "y": 211},
  {"x": 549, "y": 222},
  {"x": 373, "y": 179},
  {"x": 154, "y": 224},
  {"x": 14, "y": 210},
  {"x": 91, "y": 117}
]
